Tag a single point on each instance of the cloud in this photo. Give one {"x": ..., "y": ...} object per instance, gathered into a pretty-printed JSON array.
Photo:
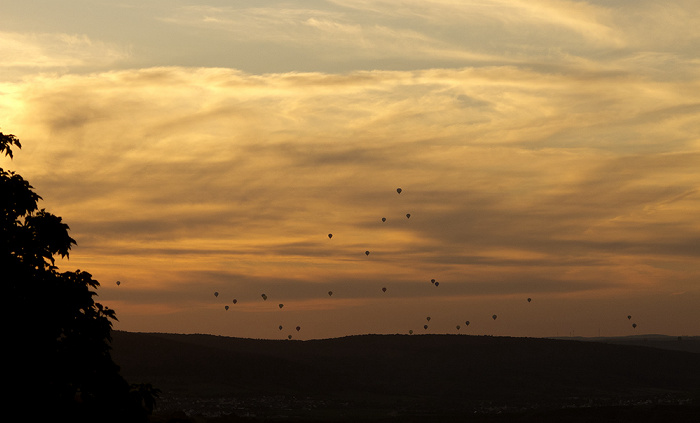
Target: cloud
[
  {"x": 51, "y": 52},
  {"x": 198, "y": 179}
]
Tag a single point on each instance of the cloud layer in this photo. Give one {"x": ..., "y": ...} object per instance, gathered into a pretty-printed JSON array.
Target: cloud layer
[{"x": 545, "y": 149}]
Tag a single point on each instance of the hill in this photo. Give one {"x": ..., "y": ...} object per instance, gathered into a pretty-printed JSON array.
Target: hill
[{"x": 410, "y": 378}]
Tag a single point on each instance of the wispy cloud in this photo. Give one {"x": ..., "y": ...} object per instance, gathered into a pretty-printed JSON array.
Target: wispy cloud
[
  {"x": 503, "y": 169},
  {"x": 52, "y": 52}
]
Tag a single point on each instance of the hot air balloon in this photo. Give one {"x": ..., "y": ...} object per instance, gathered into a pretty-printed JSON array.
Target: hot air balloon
[
  {"x": 529, "y": 300},
  {"x": 280, "y": 327},
  {"x": 634, "y": 325},
  {"x": 226, "y": 307},
  {"x": 330, "y": 235},
  {"x": 408, "y": 215},
  {"x": 330, "y": 293},
  {"x": 216, "y": 294},
  {"x": 437, "y": 283},
  {"x": 383, "y": 219},
  {"x": 425, "y": 326},
  {"x": 264, "y": 297},
  {"x": 467, "y": 323},
  {"x": 458, "y": 327},
  {"x": 289, "y": 337},
  {"x": 427, "y": 318},
  {"x": 118, "y": 283},
  {"x": 410, "y": 332},
  {"x": 281, "y": 305},
  {"x": 235, "y": 301},
  {"x": 629, "y": 317},
  {"x": 398, "y": 190},
  {"x": 298, "y": 328},
  {"x": 432, "y": 281},
  {"x": 366, "y": 253},
  {"x": 494, "y": 317},
  {"x": 384, "y": 289}
]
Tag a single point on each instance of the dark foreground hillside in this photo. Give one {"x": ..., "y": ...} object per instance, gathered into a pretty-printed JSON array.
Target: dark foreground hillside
[{"x": 398, "y": 378}]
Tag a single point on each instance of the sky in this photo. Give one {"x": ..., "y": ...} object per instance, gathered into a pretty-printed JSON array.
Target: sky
[{"x": 545, "y": 149}]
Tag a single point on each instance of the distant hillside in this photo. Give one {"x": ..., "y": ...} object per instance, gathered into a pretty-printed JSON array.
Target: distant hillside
[
  {"x": 676, "y": 343},
  {"x": 404, "y": 375}
]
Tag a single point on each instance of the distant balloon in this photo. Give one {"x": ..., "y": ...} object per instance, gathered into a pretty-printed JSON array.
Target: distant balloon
[
  {"x": 494, "y": 317},
  {"x": 529, "y": 300},
  {"x": 432, "y": 281},
  {"x": 235, "y": 301},
  {"x": 384, "y": 289},
  {"x": 467, "y": 323},
  {"x": 226, "y": 307},
  {"x": 330, "y": 235},
  {"x": 280, "y": 327},
  {"x": 281, "y": 305},
  {"x": 330, "y": 293},
  {"x": 118, "y": 283},
  {"x": 629, "y": 317},
  {"x": 408, "y": 215},
  {"x": 383, "y": 219},
  {"x": 216, "y": 294},
  {"x": 264, "y": 297},
  {"x": 366, "y": 253},
  {"x": 410, "y": 332},
  {"x": 298, "y": 328},
  {"x": 458, "y": 327},
  {"x": 425, "y": 326},
  {"x": 398, "y": 190},
  {"x": 289, "y": 337},
  {"x": 634, "y": 325},
  {"x": 427, "y": 318},
  {"x": 437, "y": 283}
]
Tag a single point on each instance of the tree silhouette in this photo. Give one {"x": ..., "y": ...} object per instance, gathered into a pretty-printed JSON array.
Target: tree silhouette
[{"x": 58, "y": 337}]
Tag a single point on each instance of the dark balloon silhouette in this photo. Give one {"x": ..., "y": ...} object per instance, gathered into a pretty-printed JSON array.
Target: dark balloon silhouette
[
  {"x": 118, "y": 283},
  {"x": 432, "y": 281},
  {"x": 467, "y": 323},
  {"x": 437, "y": 283},
  {"x": 398, "y": 190},
  {"x": 289, "y": 336},
  {"x": 298, "y": 328},
  {"x": 458, "y": 327},
  {"x": 427, "y": 318},
  {"x": 494, "y": 317},
  {"x": 410, "y": 332},
  {"x": 634, "y": 325},
  {"x": 529, "y": 300},
  {"x": 280, "y": 327},
  {"x": 330, "y": 293},
  {"x": 216, "y": 294},
  {"x": 235, "y": 301},
  {"x": 330, "y": 235},
  {"x": 425, "y": 327},
  {"x": 226, "y": 307},
  {"x": 281, "y": 305},
  {"x": 383, "y": 219},
  {"x": 629, "y": 317},
  {"x": 366, "y": 253},
  {"x": 383, "y": 289},
  {"x": 408, "y": 215},
  {"x": 264, "y": 297}
]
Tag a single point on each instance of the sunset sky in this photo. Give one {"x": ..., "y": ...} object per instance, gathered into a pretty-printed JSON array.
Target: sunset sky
[{"x": 546, "y": 149}]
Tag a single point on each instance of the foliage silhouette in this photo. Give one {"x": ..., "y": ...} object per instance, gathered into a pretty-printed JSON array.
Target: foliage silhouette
[{"x": 59, "y": 338}]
